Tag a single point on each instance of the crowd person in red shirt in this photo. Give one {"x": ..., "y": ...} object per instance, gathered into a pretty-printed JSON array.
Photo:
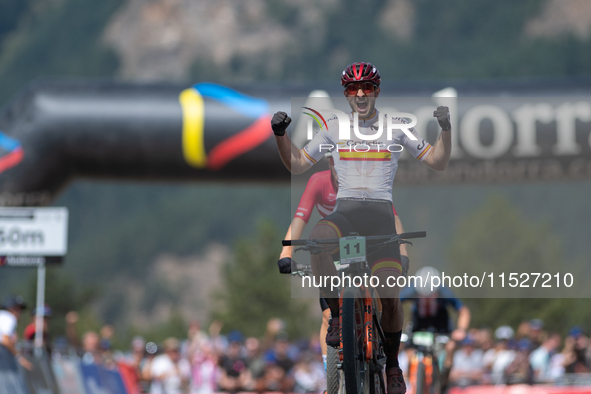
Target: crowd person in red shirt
[{"x": 30, "y": 330}]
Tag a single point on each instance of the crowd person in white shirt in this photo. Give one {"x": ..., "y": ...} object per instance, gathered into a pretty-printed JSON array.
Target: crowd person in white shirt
[
  {"x": 467, "y": 365},
  {"x": 170, "y": 374},
  {"x": 540, "y": 358},
  {"x": 11, "y": 382},
  {"x": 498, "y": 358},
  {"x": 9, "y": 315}
]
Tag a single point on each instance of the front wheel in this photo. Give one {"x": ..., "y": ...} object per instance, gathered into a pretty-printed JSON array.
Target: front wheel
[
  {"x": 437, "y": 385},
  {"x": 421, "y": 382},
  {"x": 355, "y": 368},
  {"x": 332, "y": 372}
]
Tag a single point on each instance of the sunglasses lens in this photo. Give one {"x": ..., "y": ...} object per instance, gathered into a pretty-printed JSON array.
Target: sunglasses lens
[{"x": 366, "y": 87}]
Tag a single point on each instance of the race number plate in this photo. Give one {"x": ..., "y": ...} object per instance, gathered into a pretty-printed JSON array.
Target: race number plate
[
  {"x": 423, "y": 338},
  {"x": 352, "y": 250}
]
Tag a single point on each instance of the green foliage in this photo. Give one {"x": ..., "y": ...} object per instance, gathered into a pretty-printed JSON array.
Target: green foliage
[
  {"x": 129, "y": 226},
  {"x": 255, "y": 292},
  {"x": 63, "y": 296},
  {"x": 558, "y": 314},
  {"x": 10, "y": 14},
  {"x": 453, "y": 39},
  {"x": 57, "y": 39},
  {"x": 175, "y": 326},
  {"x": 497, "y": 237}
]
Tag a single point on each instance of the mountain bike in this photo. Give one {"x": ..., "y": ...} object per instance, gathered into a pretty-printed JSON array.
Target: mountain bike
[
  {"x": 424, "y": 374},
  {"x": 361, "y": 357}
]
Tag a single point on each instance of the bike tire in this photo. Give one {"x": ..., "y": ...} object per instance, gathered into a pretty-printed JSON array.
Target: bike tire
[
  {"x": 353, "y": 361},
  {"x": 436, "y": 386},
  {"x": 421, "y": 381},
  {"x": 332, "y": 372},
  {"x": 380, "y": 387}
]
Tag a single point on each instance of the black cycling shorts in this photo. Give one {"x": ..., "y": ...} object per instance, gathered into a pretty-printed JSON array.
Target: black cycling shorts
[{"x": 367, "y": 217}]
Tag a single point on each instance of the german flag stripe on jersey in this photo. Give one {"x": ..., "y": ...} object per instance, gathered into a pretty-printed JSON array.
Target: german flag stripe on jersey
[
  {"x": 309, "y": 157},
  {"x": 366, "y": 156},
  {"x": 331, "y": 224},
  {"x": 386, "y": 265},
  {"x": 427, "y": 149}
]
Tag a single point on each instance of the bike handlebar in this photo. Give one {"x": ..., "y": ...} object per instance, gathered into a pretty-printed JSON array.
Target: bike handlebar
[{"x": 304, "y": 242}]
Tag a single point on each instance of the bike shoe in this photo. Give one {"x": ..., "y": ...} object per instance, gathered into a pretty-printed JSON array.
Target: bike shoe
[
  {"x": 394, "y": 381},
  {"x": 333, "y": 337}
]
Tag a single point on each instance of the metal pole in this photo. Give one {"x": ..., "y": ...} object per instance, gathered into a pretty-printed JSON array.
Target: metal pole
[{"x": 40, "y": 308}]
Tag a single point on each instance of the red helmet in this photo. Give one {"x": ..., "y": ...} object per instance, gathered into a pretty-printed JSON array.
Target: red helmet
[{"x": 360, "y": 72}]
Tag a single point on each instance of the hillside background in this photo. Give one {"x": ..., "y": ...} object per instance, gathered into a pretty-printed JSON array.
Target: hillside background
[{"x": 146, "y": 255}]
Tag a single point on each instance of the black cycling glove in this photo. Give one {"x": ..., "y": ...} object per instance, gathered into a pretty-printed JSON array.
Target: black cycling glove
[
  {"x": 442, "y": 115},
  {"x": 405, "y": 263},
  {"x": 279, "y": 123},
  {"x": 284, "y": 265}
]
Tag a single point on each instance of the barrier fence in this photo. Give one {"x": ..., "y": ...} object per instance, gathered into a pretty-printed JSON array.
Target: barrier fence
[{"x": 63, "y": 374}]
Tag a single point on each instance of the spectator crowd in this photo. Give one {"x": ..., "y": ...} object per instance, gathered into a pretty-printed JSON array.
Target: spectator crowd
[
  {"x": 527, "y": 355},
  {"x": 206, "y": 362}
]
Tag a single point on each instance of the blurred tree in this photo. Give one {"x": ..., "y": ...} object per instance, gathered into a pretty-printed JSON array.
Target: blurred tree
[
  {"x": 255, "y": 292},
  {"x": 63, "y": 295},
  {"x": 11, "y": 13},
  {"x": 498, "y": 238},
  {"x": 56, "y": 39}
]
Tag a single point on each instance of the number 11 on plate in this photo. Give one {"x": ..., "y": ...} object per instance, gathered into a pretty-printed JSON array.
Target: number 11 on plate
[{"x": 352, "y": 250}]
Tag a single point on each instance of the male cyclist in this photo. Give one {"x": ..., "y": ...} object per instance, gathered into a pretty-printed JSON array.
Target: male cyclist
[
  {"x": 365, "y": 171},
  {"x": 430, "y": 312},
  {"x": 320, "y": 192}
]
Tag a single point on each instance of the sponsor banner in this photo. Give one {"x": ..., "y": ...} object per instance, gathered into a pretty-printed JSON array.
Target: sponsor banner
[
  {"x": 11, "y": 380},
  {"x": 68, "y": 376},
  {"x": 99, "y": 380},
  {"x": 494, "y": 139},
  {"x": 129, "y": 377},
  {"x": 521, "y": 389},
  {"x": 29, "y": 261},
  {"x": 40, "y": 379}
]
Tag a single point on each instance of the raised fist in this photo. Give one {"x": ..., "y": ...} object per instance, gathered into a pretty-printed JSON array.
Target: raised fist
[
  {"x": 279, "y": 123},
  {"x": 442, "y": 115}
]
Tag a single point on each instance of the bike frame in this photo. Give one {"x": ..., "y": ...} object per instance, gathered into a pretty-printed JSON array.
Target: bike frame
[
  {"x": 367, "y": 300},
  {"x": 365, "y": 309}
]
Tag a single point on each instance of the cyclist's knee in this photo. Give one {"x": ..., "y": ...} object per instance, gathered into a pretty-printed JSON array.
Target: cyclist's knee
[
  {"x": 323, "y": 231},
  {"x": 390, "y": 301}
]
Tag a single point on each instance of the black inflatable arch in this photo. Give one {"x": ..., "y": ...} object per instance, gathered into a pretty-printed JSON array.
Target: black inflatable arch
[{"x": 56, "y": 131}]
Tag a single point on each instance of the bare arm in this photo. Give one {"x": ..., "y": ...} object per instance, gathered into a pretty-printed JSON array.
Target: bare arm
[
  {"x": 292, "y": 157},
  {"x": 294, "y": 232},
  {"x": 400, "y": 230},
  {"x": 464, "y": 318},
  {"x": 459, "y": 333},
  {"x": 438, "y": 157},
  {"x": 9, "y": 343}
]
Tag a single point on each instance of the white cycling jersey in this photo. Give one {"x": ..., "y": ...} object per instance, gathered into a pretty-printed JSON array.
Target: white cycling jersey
[{"x": 365, "y": 168}]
